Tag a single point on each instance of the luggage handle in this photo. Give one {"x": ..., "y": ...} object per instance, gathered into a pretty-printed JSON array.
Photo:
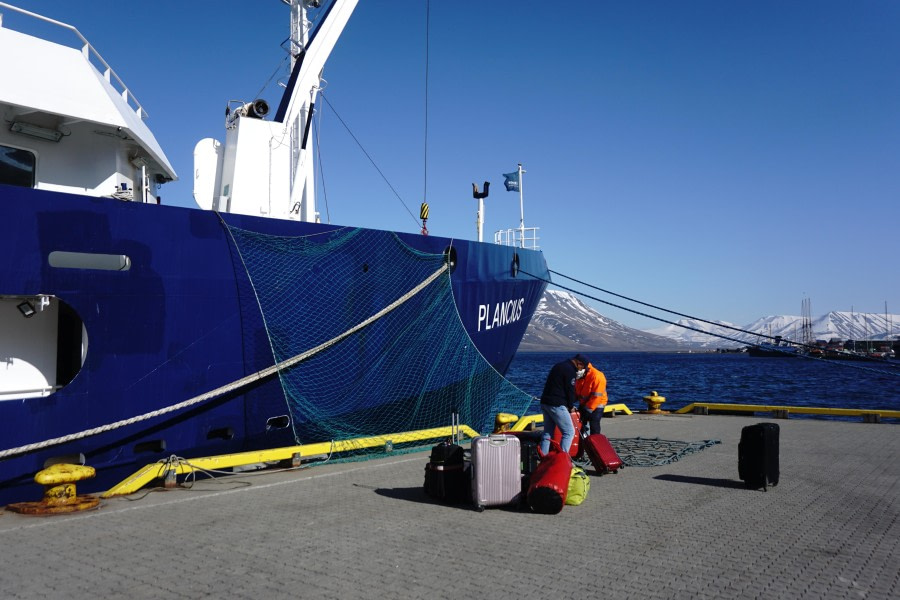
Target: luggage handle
[{"x": 498, "y": 440}]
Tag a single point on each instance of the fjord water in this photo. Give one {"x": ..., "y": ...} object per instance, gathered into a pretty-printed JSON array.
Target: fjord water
[{"x": 684, "y": 378}]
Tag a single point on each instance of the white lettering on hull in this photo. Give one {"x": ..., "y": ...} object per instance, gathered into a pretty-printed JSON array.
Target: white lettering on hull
[{"x": 502, "y": 314}]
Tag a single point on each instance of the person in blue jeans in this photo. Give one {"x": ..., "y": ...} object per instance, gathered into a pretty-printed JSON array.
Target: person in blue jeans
[{"x": 557, "y": 401}]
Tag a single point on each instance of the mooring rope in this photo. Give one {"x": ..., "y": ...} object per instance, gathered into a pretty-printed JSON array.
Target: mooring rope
[
  {"x": 671, "y": 312},
  {"x": 714, "y": 323},
  {"x": 631, "y": 310},
  {"x": 239, "y": 383},
  {"x": 884, "y": 367}
]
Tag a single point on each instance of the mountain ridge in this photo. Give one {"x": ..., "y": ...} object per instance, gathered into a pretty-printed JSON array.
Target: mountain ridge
[{"x": 563, "y": 323}]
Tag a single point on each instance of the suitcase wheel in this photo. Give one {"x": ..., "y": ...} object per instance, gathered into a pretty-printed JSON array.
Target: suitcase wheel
[{"x": 479, "y": 508}]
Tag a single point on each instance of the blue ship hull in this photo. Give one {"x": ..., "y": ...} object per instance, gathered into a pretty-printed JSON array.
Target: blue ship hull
[{"x": 178, "y": 323}]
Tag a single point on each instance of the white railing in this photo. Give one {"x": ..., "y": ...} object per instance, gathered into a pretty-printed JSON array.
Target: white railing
[
  {"x": 40, "y": 392},
  {"x": 91, "y": 55},
  {"x": 518, "y": 238}
]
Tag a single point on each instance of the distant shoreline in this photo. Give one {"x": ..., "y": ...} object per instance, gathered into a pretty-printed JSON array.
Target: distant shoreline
[{"x": 629, "y": 351}]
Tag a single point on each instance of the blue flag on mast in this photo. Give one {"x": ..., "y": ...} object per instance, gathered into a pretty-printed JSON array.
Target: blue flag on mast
[{"x": 512, "y": 181}]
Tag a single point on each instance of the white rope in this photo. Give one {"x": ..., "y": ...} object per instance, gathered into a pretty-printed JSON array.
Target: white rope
[{"x": 254, "y": 377}]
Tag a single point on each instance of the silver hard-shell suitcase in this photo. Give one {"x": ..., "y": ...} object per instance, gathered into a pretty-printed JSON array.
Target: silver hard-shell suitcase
[{"x": 496, "y": 474}]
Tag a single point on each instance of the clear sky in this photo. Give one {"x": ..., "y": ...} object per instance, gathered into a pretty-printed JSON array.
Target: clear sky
[{"x": 724, "y": 159}]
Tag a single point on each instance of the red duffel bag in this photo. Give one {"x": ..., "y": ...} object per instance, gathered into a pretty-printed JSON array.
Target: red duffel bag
[{"x": 550, "y": 482}]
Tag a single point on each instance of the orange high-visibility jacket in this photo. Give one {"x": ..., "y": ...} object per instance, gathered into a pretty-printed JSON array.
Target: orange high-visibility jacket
[{"x": 591, "y": 389}]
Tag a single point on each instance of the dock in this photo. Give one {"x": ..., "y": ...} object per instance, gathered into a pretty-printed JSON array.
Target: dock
[{"x": 688, "y": 529}]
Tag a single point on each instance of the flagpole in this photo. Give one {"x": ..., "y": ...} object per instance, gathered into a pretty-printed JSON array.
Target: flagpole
[
  {"x": 521, "y": 209},
  {"x": 480, "y": 219}
]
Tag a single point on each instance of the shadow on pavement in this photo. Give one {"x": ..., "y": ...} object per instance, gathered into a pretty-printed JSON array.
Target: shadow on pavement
[
  {"x": 725, "y": 483},
  {"x": 411, "y": 494},
  {"x": 417, "y": 494}
]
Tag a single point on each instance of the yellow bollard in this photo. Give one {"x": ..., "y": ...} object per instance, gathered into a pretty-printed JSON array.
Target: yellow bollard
[
  {"x": 59, "y": 491},
  {"x": 504, "y": 421},
  {"x": 653, "y": 401}
]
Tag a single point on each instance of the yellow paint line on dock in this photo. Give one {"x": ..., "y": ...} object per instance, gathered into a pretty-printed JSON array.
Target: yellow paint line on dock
[
  {"x": 784, "y": 411},
  {"x": 148, "y": 473}
]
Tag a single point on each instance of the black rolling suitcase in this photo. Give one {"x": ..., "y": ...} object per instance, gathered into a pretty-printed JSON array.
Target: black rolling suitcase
[
  {"x": 529, "y": 442},
  {"x": 447, "y": 474},
  {"x": 758, "y": 455}
]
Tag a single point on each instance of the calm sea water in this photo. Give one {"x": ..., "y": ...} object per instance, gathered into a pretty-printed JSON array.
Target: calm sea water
[{"x": 738, "y": 378}]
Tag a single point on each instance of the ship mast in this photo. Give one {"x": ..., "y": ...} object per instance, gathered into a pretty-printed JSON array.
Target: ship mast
[
  {"x": 299, "y": 30},
  {"x": 265, "y": 168},
  {"x": 308, "y": 56}
]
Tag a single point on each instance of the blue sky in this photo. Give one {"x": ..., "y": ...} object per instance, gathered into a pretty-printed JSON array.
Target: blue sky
[{"x": 724, "y": 159}]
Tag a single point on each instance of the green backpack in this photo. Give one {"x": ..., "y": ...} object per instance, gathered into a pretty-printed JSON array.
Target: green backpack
[{"x": 579, "y": 486}]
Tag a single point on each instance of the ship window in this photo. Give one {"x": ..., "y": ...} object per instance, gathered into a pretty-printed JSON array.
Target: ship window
[
  {"x": 16, "y": 167},
  {"x": 278, "y": 422},
  {"x": 88, "y": 260}
]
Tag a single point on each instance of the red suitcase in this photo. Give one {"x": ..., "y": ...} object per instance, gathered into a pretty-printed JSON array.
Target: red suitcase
[
  {"x": 602, "y": 454},
  {"x": 575, "y": 450}
]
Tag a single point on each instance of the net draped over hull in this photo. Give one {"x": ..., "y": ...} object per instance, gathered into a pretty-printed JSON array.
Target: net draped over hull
[{"x": 407, "y": 370}]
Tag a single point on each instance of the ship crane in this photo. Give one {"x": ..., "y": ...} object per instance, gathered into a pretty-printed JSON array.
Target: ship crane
[{"x": 275, "y": 155}]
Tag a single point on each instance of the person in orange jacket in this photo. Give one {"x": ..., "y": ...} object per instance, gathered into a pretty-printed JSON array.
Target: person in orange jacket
[{"x": 590, "y": 391}]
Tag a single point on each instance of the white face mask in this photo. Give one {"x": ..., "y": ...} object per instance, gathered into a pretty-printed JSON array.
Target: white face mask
[{"x": 579, "y": 373}]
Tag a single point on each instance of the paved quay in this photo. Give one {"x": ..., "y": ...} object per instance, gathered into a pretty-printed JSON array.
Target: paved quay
[{"x": 689, "y": 529}]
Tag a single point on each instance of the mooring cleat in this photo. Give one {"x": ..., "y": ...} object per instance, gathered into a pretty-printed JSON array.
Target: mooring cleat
[
  {"x": 59, "y": 491},
  {"x": 653, "y": 401}
]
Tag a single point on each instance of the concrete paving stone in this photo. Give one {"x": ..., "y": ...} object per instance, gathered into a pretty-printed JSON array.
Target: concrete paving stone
[{"x": 366, "y": 530}]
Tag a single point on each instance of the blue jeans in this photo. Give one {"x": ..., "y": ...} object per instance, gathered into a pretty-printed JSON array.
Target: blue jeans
[{"x": 557, "y": 416}]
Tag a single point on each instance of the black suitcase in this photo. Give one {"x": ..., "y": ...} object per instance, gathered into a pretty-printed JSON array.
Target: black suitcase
[
  {"x": 447, "y": 453},
  {"x": 529, "y": 442},
  {"x": 758, "y": 455},
  {"x": 447, "y": 474},
  {"x": 449, "y": 483},
  {"x": 530, "y": 456}
]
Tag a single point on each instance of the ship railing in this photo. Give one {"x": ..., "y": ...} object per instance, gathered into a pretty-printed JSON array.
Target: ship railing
[
  {"x": 519, "y": 238},
  {"x": 91, "y": 55},
  {"x": 41, "y": 392}
]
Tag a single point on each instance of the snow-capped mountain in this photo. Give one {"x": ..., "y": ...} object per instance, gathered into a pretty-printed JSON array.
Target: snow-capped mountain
[
  {"x": 562, "y": 322},
  {"x": 836, "y": 324},
  {"x": 691, "y": 331}
]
